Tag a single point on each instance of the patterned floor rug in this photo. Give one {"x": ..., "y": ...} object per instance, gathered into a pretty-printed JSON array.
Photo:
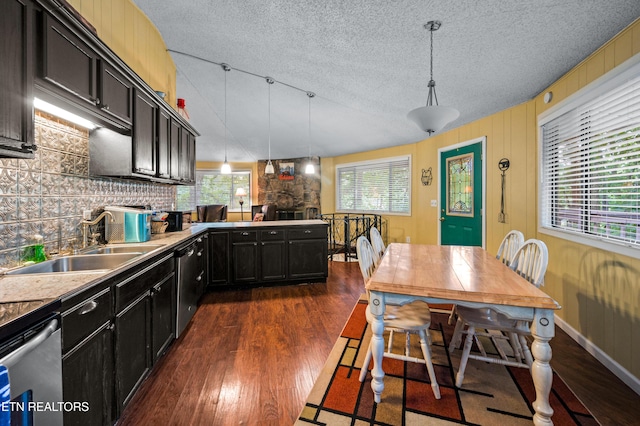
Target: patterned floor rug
[{"x": 490, "y": 395}]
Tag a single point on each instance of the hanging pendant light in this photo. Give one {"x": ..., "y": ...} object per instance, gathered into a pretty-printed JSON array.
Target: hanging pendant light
[
  {"x": 269, "y": 167},
  {"x": 226, "y": 168},
  {"x": 310, "y": 169},
  {"x": 433, "y": 117}
]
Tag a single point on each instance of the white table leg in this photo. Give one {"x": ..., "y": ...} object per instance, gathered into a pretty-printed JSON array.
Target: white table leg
[
  {"x": 542, "y": 329},
  {"x": 377, "y": 307}
]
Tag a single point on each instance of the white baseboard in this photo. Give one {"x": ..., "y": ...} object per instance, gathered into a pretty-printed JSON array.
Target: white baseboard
[{"x": 629, "y": 379}]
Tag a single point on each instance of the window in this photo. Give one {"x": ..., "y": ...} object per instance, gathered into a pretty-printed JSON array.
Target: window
[
  {"x": 590, "y": 165},
  {"x": 212, "y": 187},
  {"x": 380, "y": 186}
]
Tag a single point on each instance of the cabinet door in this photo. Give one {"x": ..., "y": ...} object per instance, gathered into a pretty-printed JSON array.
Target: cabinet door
[
  {"x": 164, "y": 143},
  {"x": 174, "y": 150},
  {"x": 132, "y": 349},
  {"x": 245, "y": 261},
  {"x": 272, "y": 260},
  {"x": 68, "y": 63},
  {"x": 87, "y": 375},
  {"x": 163, "y": 315},
  {"x": 115, "y": 93},
  {"x": 16, "y": 75},
  {"x": 184, "y": 156},
  {"x": 308, "y": 258},
  {"x": 218, "y": 257},
  {"x": 144, "y": 135}
]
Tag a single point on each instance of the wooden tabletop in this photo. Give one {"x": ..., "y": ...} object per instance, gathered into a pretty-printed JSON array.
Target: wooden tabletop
[{"x": 454, "y": 273}]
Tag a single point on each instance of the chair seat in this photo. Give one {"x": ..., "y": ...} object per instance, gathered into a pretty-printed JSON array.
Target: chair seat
[
  {"x": 412, "y": 316},
  {"x": 490, "y": 319}
]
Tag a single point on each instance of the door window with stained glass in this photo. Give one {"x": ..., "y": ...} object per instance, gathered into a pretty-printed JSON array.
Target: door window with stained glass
[{"x": 460, "y": 185}]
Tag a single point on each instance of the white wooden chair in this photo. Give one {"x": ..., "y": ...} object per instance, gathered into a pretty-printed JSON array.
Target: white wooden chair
[
  {"x": 412, "y": 318},
  {"x": 509, "y": 246},
  {"x": 377, "y": 243},
  {"x": 530, "y": 262}
]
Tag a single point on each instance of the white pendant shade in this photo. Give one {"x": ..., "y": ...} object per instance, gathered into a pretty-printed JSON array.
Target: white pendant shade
[
  {"x": 269, "y": 168},
  {"x": 433, "y": 118},
  {"x": 225, "y": 169},
  {"x": 310, "y": 169}
]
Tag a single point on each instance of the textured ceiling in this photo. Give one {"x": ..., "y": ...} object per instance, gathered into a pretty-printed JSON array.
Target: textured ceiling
[{"x": 368, "y": 63}]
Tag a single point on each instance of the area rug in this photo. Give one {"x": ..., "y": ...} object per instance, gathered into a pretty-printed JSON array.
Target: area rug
[{"x": 490, "y": 395}]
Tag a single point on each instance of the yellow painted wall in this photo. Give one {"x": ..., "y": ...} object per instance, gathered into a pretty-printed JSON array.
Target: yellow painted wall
[
  {"x": 599, "y": 291},
  {"x": 127, "y": 31},
  {"x": 215, "y": 165}
]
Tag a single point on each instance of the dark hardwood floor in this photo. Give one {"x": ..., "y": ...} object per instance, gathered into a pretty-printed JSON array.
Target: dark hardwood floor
[{"x": 250, "y": 357}]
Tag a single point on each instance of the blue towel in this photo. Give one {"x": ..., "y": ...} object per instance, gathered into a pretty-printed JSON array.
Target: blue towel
[{"x": 5, "y": 397}]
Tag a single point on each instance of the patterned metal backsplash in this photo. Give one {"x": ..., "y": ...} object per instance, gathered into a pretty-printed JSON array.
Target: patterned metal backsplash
[{"x": 47, "y": 195}]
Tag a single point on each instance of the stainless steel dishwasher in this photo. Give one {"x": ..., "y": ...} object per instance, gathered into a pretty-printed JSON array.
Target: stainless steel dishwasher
[
  {"x": 188, "y": 276},
  {"x": 33, "y": 360}
]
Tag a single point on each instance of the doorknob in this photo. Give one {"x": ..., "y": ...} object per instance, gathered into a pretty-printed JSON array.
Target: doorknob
[{"x": 442, "y": 219}]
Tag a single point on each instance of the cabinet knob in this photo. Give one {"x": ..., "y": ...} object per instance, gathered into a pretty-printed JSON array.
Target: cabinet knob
[{"x": 105, "y": 107}]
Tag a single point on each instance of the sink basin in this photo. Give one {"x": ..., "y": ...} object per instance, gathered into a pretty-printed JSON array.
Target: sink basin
[
  {"x": 124, "y": 248},
  {"x": 89, "y": 262}
]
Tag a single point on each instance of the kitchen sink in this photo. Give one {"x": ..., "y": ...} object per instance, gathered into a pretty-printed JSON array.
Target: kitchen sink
[
  {"x": 124, "y": 248},
  {"x": 83, "y": 262}
]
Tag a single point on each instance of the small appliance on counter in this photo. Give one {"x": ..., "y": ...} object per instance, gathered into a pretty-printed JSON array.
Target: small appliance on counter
[
  {"x": 129, "y": 225},
  {"x": 178, "y": 221}
]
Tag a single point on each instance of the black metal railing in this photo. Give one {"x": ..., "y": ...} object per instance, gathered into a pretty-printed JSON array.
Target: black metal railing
[{"x": 345, "y": 228}]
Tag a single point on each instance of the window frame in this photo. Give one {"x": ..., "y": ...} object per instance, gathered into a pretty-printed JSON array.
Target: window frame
[
  {"x": 230, "y": 208},
  {"x": 604, "y": 84},
  {"x": 365, "y": 163}
]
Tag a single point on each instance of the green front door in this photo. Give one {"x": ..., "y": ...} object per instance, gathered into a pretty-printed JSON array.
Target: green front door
[{"x": 461, "y": 196}]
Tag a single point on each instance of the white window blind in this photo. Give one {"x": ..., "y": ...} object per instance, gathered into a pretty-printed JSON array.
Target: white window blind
[
  {"x": 213, "y": 187},
  {"x": 380, "y": 186},
  {"x": 591, "y": 167}
]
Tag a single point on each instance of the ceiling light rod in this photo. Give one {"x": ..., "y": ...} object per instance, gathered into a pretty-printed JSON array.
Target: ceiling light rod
[
  {"x": 226, "y": 167},
  {"x": 432, "y": 117},
  {"x": 235, "y": 69},
  {"x": 269, "y": 167},
  {"x": 310, "y": 169}
]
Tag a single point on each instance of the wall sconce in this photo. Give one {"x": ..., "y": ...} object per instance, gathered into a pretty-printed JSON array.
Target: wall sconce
[{"x": 426, "y": 177}]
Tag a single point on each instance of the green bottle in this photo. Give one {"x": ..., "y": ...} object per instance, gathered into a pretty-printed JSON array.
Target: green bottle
[{"x": 35, "y": 251}]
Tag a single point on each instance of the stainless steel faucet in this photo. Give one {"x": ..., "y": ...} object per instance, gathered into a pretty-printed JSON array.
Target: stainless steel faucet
[{"x": 87, "y": 223}]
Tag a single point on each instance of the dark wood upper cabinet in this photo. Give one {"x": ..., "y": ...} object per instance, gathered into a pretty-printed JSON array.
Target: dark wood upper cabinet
[
  {"x": 67, "y": 62},
  {"x": 16, "y": 79},
  {"x": 144, "y": 135},
  {"x": 174, "y": 150},
  {"x": 164, "y": 143},
  {"x": 115, "y": 92}
]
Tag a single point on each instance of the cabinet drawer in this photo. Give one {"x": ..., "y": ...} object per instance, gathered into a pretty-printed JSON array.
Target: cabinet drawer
[
  {"x": 244, "y": 236},
  {"x": 83, "y": 319},
  {"x": 272, "y": 235},
  {"x": 303, "y": 233},
  {"x": 131, "y": 288}
]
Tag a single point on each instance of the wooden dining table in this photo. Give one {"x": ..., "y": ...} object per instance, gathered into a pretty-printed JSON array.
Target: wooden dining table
[{"x": 465, "y": 276}]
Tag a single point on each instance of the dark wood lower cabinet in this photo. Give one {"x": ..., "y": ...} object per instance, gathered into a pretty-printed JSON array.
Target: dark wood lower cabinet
[
  {"x": 218, "y": 256},
  {"x": 132, "y": 348},
  {"x": 88, "y": 378},
  {"x": 257, "y": 253},
  {"x": 163, "y": 316}
]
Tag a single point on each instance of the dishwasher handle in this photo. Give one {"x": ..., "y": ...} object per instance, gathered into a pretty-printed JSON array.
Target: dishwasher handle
[{"x": 14, "y": 357}]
